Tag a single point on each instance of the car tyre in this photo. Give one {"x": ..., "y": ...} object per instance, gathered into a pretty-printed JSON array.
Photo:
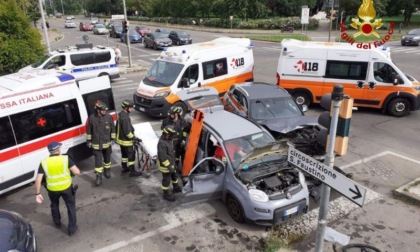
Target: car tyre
[
  {"x": 177, "y": 43},
  {"x": 154, "y": 46},
  {"x": 399, "y": 107},
  {"x": 302, "y": 98},
  {"x": 234, "y": 209},
  {"x": 105, "y": 74},
  {"x": 402, "y": 44},
  {"x": 145, "y": 44}
]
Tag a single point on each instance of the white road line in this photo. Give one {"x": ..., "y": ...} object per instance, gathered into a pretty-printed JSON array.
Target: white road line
[
  {"x": 173, "y": 218},
  {"x": 365, "y": 160},
  {"x": 271, "y": 48}
]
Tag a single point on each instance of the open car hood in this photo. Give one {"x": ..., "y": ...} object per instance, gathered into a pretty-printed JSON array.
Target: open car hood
[{"x": 286, "y": 125}]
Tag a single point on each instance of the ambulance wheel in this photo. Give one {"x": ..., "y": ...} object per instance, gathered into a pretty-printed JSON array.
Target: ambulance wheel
[
  {"x": 105, "y": 74},
  {"x": 302, "y": 98},
  {"x": 399, "y": 107},
  {"x": 183, "y": 108}
]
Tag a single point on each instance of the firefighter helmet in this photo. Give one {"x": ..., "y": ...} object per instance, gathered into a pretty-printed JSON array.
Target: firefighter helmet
[
  {"x": 101, "y": 106},
  {"x": 175, "y": 110},
  {"x": 169, "y": 130},
  {"x": 127, "y": 104}
]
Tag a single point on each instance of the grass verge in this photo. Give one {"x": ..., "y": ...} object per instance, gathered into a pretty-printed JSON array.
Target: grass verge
[{"x": 280, "y": 240}]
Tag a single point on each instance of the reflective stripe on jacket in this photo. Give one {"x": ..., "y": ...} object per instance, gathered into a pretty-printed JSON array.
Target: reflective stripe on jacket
[
  {"x": 57, "y": 172},
  {"x": 100, "y": 130},
  {"x": 125, "y": 130}
]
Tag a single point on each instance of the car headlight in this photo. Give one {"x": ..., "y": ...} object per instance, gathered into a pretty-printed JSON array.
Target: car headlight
[
  {"x": 162, "y": 94},
  {"x": 302, "y": 179},
  {"x": 257, "y": 195},
  {"x": 416, "y": 38},
  {"x": 403, "y": 37},
  {"x": 416, "y": 88}
]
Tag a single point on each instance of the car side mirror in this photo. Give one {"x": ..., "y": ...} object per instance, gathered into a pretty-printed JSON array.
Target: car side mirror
[
  {"x": 219, "y": 169},
  {"x": 184, "y": 83}
]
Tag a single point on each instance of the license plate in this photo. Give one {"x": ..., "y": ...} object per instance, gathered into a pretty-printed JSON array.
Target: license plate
[
  {"x": 142, "y": 109},
  {"x": 291, "y": 211}
]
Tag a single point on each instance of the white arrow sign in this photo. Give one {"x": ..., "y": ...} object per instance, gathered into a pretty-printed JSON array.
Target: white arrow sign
[{"x": 325, "y": 174}]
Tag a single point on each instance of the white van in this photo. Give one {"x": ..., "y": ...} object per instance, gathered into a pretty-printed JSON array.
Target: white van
[
  {"x": 219, "y": 63},
  {"x": 82, "y": 61},
  {"x": 41, "y": 106},
  {"x": 310, "y": 69}
]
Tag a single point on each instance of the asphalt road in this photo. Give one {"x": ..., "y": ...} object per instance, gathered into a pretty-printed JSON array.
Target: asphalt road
[{"x": 127, "y": 214}]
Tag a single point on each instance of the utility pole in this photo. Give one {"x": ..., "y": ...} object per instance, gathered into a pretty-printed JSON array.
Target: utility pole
[
  {"x": 331, "y": 17},
  {"x": 44, "y": 25},
  {"x": 62, "y": 7},
  {"x": 127, "y": 35},
  {"x": 336, "y": 97}
]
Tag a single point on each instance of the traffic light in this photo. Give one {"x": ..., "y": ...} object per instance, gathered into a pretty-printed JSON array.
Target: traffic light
[
  {"x": 125, "y": 26},
  {"x": 343, "y": 123}
]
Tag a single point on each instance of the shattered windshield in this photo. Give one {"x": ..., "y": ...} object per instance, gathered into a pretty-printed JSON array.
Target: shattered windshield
[
  {"x": 278, "y": 107},
  {"x": 162, "y": 74},
  {"x": 239, "y": 148}
]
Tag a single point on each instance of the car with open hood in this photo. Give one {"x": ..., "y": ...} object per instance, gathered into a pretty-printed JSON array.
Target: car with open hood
[{"x": 253, "y": 177}]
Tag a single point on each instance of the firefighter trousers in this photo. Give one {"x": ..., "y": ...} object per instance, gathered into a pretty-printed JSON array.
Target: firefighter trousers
[{"x": 102, "y": 159}]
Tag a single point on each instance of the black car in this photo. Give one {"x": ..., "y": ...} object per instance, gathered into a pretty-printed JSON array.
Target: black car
[
  {"x": 16, "y": 234},
  {"x": 115, "y": 31},
  {"x": 275, "y": 109},
  {"x": 180, "y": 38},
  {"x": 412, "y": 38}
]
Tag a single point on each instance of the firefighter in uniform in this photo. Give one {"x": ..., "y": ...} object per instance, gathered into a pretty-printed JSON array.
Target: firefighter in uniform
[
  {"x": 100, "y": 137},
  {"x": 125, "y": 139},
  {"x": 181, "y": 127},
  {"x": 57, "y": 169},
  {"x": 166, "y": 162}
]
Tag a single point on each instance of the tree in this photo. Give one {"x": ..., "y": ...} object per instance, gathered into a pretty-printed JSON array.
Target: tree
[{"x": 20, "y": 43}]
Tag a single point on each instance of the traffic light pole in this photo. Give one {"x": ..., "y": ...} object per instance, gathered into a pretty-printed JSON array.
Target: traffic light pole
[
  {"x": 336, "y": 97},
  {"x": 127, "y": 35}
]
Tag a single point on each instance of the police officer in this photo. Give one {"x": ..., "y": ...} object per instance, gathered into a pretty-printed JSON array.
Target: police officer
[
  {"x": 166, "y": 162},
  {"x": 181, "y": 127},
  {"x": 125, "y": 138},
  {"x": 56, "y": 169},
  {"x": 100, "y": 136}
]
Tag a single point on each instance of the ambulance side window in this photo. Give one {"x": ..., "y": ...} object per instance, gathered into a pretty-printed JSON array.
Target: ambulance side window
[
  {"x": 6, "y": 134},
  {"x": 346, "y": 70},
  {"x": 383, "y": 72},
  {"x": 57, "y": 61},
  {"x": 191, "y": 74},
  {"x": 39, "y": 122},
  {"x": 103, "y": 95},
  {"x": 215, "y": 68}
]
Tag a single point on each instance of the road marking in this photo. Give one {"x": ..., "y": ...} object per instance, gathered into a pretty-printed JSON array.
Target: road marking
[
  {"x": 174, "y": 220},
  {"x": 271, "y": 48}
]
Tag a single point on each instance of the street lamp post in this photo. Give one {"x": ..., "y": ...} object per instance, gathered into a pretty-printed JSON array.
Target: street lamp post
[
  {"x": 45, "y": 27},
  {"x": 331, "y": 17},
  {"x": 62, "y": 7},
  {"x": 127, "y": 35}
]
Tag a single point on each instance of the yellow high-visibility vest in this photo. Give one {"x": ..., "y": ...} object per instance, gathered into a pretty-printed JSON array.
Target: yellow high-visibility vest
[{"x": 57, "y": 172}]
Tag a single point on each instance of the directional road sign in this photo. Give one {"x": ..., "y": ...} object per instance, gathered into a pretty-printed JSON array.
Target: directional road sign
[{"x": 347, "y": 187}]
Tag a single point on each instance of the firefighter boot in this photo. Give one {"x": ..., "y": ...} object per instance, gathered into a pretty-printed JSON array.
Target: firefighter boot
[
  {"x": 98, "y": 181},
  {"x": 107, "y": 172},
  {"x": 176, "y": 188},
  {"x": 124, "y": 168},
  {"x": 133, "y": 172},
  {"x": 168, "y": 196}
]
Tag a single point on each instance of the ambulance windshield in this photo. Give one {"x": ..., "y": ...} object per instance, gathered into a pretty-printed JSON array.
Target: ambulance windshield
[
  {"x": 163, "y": 74},
  {"x": 40, "y": 61}
]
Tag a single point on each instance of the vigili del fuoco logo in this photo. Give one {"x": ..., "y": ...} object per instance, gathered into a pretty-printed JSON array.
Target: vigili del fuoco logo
[{"x": 366, "y": 24}]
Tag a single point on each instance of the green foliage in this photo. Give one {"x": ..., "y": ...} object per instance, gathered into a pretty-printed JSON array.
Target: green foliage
[{"x": 20, "y": 44}]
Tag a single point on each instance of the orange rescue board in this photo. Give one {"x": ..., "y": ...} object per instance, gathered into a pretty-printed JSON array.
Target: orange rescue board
[{"x": 195, "y": 132}]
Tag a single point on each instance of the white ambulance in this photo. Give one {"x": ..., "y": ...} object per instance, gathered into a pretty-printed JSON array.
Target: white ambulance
[
  {"x": 83, "y": 61},
  {"x": 38, "y": 107},
  {"x": 310, "y": 69},
  {"x": 220, "y": 63}
]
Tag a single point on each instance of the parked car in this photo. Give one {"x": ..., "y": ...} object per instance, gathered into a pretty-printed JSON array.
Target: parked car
[
  {"x": 253, "y": 178},
  {"x": 69, "y": 17},
  {"x": 58, "y": 15},
  {"x": 156, "y": 40},
  {"x": 412, "y": 38},
  {"x": 69, "y": 24},
  {"x": 94, "y": 20},
  {"x": 135, "y": 37},
  {"x": 16, "y": 233},
  {"x": 180, "y": 38},
  {"x": 115, "y": 31},
  {"x": 276, "y": 110},
  {"x": 99, "y": 29},
  {"x": 83, "y": 26},
  {"x": 163, "y": 31},
  {"x": 143, "y": 30}
]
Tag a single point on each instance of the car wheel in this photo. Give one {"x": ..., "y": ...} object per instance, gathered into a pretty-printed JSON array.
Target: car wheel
[
  {"x": 145, "y": 44},
  {"x": 105, "y": 74},
  {"x": 399, "y": 107},
  {"x": 183, "y": 108},
  {"x": 235, "y": 209},
  {"x": 301, "y": 98},
  {"x": 177, "y": 43},
  {"x": 402, "y": 44},
  {"x": 154, "y": 47}
]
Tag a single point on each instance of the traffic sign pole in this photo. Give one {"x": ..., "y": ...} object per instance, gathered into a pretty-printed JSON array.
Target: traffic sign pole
[
  {"x": 127, "y": 36},
  {"x": 337, "y": 96}
]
